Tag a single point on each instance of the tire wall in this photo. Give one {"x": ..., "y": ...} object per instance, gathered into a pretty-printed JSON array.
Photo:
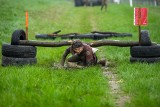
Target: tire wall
[{"x": 17, "y": 55}]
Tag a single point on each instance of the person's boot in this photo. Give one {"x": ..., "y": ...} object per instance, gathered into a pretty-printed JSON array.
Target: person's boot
[{"x": 102, "y": 62}]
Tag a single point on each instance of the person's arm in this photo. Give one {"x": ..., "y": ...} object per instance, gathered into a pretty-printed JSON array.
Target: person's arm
[{"x": 64, "y": 56}]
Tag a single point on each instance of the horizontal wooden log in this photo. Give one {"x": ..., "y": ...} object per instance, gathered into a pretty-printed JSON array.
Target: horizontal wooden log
[
  {"x": 104, "y": 32},
  {"x": 45, "y": 44},
  {"x": 93, "y": 44},
  {"x": 114, "y": 43},
  {"x": 68, "y": 34}
]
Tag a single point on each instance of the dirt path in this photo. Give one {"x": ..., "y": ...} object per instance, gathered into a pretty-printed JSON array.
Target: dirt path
[
  {"x": 93, "y": 24},
  {"x": 118, "y": 95},
  {"x": 92, "y": 21}
]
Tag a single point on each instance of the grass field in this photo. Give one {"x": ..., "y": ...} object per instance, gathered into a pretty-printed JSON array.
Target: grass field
[{"x": 44, "y": 85}]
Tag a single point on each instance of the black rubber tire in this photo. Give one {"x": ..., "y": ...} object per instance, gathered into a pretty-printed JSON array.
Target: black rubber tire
[
  {"x": 7, "y": 61},
  {"x": 145, "y": 51},
  {"x": 145, "y": 38},
  {"x": 18, "y": 51},
  {"x": 18, "y": 35},
  {"x": 145, "y": 60},
  {"x": 44, "y": 36}
]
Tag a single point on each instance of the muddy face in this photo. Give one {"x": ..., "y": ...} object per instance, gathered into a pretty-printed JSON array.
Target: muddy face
[{"x": 78, "y": 50}]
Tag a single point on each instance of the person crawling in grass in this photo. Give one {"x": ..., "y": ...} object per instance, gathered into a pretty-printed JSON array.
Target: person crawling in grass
[{"x": 82, "y": 55}]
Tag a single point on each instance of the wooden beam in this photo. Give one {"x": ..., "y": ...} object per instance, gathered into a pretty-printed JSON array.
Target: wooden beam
[
  {"x": 45, "y": 44},
  {"x": 68, "y": 43},
  {"x": 114, "y": 43}
]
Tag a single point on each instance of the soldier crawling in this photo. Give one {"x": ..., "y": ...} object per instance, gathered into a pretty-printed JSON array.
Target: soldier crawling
[{"x": 82, "y": 55}]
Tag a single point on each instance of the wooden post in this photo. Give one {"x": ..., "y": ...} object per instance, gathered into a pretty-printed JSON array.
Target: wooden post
[
  {"x": 139, "y": 30},
  {"x": 131, "y": 3},
  {"x": 26, "y": 25},
  {"x": 155, "y": 3},
  {"x": 139, "y": 23}
]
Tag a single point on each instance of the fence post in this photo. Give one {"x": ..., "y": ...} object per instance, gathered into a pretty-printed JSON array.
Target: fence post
[
  {"x": 131, "y": 3},
  {"x": 155, "y": 2}
]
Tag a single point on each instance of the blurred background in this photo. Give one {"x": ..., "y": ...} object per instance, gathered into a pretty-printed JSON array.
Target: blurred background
[{"x": 130, "y": 2}]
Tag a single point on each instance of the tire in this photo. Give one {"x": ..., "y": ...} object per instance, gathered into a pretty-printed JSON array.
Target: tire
[
  {"x": 7, "y": 61},
  {"x": 143, "y": 60},
  {"x": 18, "y": 51},
  {"x": 44, "y": 36},
  {"x": 145, "y": 38},
  {"x": 18, "y": 35},
  {"x": 145, "y": 51}
]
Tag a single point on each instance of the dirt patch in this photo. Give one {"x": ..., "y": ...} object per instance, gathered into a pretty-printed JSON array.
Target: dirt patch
[{"x": 119, "y": 96}]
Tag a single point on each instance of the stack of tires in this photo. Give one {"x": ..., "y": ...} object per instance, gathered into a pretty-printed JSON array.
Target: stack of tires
[
  {"x": 14, "y": 54},
  {"x": 146, "y": 52}
]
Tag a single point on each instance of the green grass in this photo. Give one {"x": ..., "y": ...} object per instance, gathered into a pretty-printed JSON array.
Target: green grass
[
  {"x": 40, "y": 86},
  {"x": 43, "y": 84}
]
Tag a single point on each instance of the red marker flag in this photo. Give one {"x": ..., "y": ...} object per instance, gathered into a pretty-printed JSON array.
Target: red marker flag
[{"x": 140, "y": 16}]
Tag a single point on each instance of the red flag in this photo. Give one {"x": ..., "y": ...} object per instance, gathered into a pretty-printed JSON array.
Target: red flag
[{"x": 140, "y": 16}]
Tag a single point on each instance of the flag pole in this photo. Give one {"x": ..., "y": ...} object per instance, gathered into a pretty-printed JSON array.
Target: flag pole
[
  {"x": 26, "y": 25},
  {"x": 139, "y": 27}
]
